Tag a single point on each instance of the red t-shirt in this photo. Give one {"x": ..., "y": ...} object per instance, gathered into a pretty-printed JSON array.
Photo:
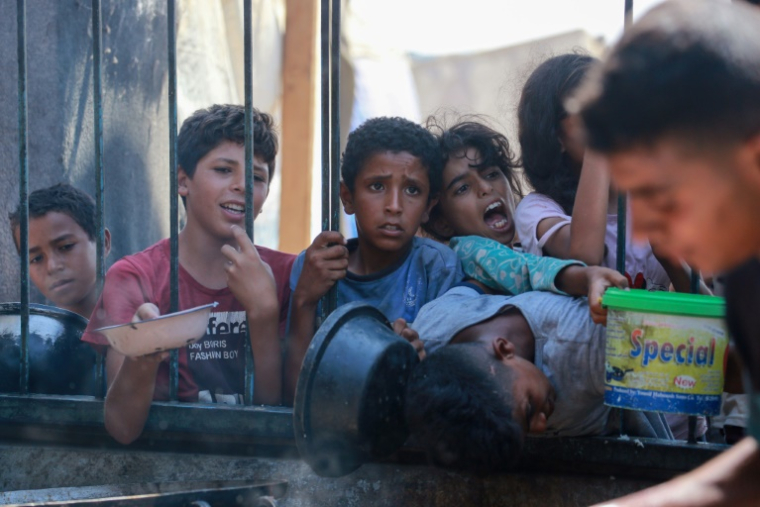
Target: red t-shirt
[{"x": 211, "y": 369}]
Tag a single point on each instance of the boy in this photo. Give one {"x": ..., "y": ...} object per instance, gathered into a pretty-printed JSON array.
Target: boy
[
  {"x": 391, "y": 172},
  {"x": 676, "y": 109},
  {"x": 62, "y": 248},
  {"x": 502, "y": 366},
  {"x": 218, "y": 263}
]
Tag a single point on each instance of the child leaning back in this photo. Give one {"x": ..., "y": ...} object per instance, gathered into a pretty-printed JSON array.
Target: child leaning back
[
  {"x": 217, "y": 263},
  {"x": 391, "y": 175}
]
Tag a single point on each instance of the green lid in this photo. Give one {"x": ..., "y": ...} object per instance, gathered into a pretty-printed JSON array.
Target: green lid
[{"x": 673, "y": 303}]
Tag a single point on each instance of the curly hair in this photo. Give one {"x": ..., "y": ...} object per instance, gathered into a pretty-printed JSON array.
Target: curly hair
[
  {"x": 60, "y": 198},
  {"x": 540, "y": 113},
  {"x": 390, "y": 134},
  {"x": 686, "y": 70},
  {"x": 459, "y": 410},
  {"x": 208, "y": 128},
  {"x": 493, "y": 148}
]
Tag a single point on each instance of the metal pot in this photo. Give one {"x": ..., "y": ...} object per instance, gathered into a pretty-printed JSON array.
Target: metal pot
[
  {"x": 59, "y": 362},
  {"x": 349, "y": 405}
]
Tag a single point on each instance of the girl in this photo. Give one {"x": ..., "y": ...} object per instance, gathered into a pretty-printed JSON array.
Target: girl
[
  {"x": 573, "y": 212},
  {"x": 474, "y": 213}
]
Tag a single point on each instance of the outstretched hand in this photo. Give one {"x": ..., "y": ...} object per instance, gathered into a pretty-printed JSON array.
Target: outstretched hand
[
  {"x": 148, "y": 311},
  {"x": 599, "y": 280},
  {"x": 401, "y": 328}
]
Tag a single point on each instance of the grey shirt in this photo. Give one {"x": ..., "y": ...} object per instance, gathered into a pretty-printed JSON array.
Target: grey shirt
[{"x": 569, "y": 350}]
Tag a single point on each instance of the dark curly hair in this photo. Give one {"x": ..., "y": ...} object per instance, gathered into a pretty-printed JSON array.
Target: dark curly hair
[
  {"x": 207, "y": 128},
  {"x": 540, "y": 113},
  {"x": 60, "y": 198},
  {"x": 687, "y": 70},
  {"x": 459, "y": 410},
  {"x": 472, "y": 132},
  {"x": 390, "y": 134}
]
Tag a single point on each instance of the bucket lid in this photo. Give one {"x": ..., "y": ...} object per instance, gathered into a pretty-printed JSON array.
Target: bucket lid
[{"x": 638, "y": 300}]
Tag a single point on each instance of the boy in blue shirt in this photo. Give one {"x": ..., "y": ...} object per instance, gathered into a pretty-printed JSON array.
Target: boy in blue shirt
[{"x": 391, "y": 172}]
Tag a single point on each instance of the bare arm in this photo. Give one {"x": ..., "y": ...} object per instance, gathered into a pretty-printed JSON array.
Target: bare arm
[
  {"x": 131, "y": 382},
  {"x": 250, "y": 280},
  {"x": 583, "y": 238},
  {"x": 325, "y": 262},
  {"x": 727, "y": 480}
]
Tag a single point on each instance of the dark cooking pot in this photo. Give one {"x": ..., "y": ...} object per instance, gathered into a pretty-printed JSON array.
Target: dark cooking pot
[
  {"x": 59, "y": 362},
  {"x": 349, "y": 405}
]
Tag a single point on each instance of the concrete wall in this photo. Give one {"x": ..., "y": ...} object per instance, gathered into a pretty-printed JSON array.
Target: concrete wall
[{"x": 390, "y": 484}]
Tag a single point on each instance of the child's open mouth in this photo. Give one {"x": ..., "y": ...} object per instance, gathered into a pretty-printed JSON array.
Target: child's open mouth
[
  {"x": 235, "y": 209},
  {"x": 495, "y": 216}
]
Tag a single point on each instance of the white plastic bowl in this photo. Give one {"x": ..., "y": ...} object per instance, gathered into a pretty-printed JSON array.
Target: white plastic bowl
[{"x": 167, "y": 332}]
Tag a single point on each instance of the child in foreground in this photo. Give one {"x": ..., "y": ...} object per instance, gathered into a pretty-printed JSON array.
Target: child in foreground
[
  {"x": 499, "y": 367},
  {"x": 62, "y": 246},
  {"x": 676, "y": 111},
  {"x": 474, "y": 214},
  {"x": 391, "y": 176},
  {"x": 218, "y": 263}
]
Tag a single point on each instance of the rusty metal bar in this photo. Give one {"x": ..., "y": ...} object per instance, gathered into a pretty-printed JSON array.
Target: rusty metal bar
[
  {"x": 23, "y": 195},
  {"x": 97, "y": 97},
  {"x": 171, "y": 9},
  {"x": 249, "y": 154}
]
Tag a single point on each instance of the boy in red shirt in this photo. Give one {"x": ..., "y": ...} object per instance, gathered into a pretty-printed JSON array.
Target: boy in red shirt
[{"x": 217, "y": 263}]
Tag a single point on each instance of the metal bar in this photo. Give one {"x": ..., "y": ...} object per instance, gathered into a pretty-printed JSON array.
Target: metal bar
[
  {"x": 97, "y": 94},
  {"x": 23, "y": 195},
  {"x": 249, "y": 204},
  {"x": 628, "y": 13},
  {"x": 171, "y": 27},
  {"x": 692, "y": 439},
  {"x": 325, "y": 131},
  {"x": 332, "y": 295}
]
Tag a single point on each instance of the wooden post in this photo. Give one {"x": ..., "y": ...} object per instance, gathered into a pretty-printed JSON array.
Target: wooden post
[{"x": 298, "y": 115}]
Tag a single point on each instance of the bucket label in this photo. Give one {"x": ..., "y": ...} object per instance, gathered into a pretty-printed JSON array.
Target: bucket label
[{"x": 665, "y": 363}]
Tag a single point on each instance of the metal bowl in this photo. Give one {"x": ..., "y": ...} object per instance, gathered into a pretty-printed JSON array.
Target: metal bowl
[
  {"x": 59, "y": 362},
  {"x": 349, "y": 405}
]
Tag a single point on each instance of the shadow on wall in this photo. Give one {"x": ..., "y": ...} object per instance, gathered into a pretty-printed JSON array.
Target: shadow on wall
[{"x": 60, "y": 118}]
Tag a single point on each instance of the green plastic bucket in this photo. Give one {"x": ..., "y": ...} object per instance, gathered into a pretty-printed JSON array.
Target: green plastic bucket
[{"x": 665, "y": 352}]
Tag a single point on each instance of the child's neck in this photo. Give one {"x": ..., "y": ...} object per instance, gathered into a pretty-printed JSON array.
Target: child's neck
[
  {"x": 367, "y": 260},
  {"x": 86, "y": 306},
  {"x": 200, "y": 254}
]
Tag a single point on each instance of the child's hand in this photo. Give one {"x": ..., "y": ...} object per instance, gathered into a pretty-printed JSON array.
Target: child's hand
[
  {"x": 249, "y": 278},
  {"x": 148, "y": 311},
  {"x": 599, "y": 280},
  {"x": 325, "y": 262},
  {"x": 401, "y": 328}
]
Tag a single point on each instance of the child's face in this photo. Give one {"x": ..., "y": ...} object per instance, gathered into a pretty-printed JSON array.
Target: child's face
[
  {"x": 391, "y": 199},
  {"x": 532, "y": 393},
  {"x": 476, "y": 202},
  {"x": 699, "y": 206},
  {"x": 216, "y": 192},
  {"x": 62, "y": 260}
]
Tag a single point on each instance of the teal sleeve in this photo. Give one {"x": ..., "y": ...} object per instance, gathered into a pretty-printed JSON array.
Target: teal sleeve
[
  {"x": 501, "y": 268},
  {"x": 754, "y": 415}
]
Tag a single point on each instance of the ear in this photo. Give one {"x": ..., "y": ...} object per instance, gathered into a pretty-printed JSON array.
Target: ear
[
  {"x": 431, "y": 205},
  {"x": 503, "y": 348},
  {"x": 347, "y": 199},
  {"x": 441, "y": 227},
  {"x": 182, "y": 179},
  {"x": 106, "y": 242}
]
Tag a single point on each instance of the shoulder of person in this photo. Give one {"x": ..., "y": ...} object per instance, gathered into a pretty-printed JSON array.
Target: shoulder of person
[
  {"x": 152, "y": 262},
  {"x": 431, "y": 250},
  {"x": 536, "y": 201}
]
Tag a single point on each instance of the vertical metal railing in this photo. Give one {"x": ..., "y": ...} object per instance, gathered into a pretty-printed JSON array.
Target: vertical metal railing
[
  {"x": 97, "y": 97},
  {"x": 171, "y": 35},
  {"x": 622, "y": 202},
  {"x": 23, "y": 195},
  {"x": 330, "y": 100},
  {"x": 249, "y": 154}
]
